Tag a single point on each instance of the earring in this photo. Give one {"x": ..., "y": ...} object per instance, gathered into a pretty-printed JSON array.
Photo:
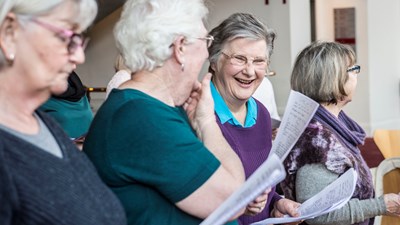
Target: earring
[
  {"x": 182, "y": 67},
  {"x": 10, "y": 59}
]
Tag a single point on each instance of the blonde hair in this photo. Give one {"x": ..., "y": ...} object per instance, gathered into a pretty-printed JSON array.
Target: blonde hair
[{"x": 320, "y": 71}]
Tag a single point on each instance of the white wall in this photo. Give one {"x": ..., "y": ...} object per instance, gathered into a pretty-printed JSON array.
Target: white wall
[
  {"x": 100, "y": 56},
  {"x": 358, "y": 109},
  {"x": 291, "y": 22},
  {"x": 384, "y": 63},
  {"x": 376, "y": 103}
]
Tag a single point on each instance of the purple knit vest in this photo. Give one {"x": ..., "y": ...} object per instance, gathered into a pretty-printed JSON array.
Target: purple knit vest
[{"x": 252, "y": 144}]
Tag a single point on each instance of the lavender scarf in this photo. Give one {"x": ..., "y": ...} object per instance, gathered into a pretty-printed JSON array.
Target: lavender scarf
[{"x": 346, "y": 129}]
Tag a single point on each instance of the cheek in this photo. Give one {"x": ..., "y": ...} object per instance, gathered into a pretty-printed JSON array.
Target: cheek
[
  {"x": 260, "y": 76},
  {"x": 52, "y": 60},
  {"x": 229, "y": 71}
]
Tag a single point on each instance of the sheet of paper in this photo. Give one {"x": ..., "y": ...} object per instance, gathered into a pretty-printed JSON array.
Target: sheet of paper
[
  {"x": 332, "y": 197},
  {"x": 298, "y": 112},
  {"x": 270, "y": 173}
]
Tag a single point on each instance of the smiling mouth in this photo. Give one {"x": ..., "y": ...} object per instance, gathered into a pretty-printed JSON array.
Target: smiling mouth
[{"x": 244, "y": 81}]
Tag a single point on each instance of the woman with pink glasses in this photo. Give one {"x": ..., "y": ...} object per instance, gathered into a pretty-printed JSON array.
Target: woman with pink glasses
[{"x": 44, "y": 178}]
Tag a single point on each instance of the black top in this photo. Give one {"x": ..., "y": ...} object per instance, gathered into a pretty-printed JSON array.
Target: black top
[{"x": 37, "y": 187}]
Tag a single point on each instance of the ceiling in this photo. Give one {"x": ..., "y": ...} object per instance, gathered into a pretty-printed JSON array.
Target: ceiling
[{"x": 106, "y": 7}]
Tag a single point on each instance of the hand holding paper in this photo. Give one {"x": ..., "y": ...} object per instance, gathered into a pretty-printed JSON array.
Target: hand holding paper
[
  {"x": 267, "y": 175},
  {"x": 332, "y": 197}
]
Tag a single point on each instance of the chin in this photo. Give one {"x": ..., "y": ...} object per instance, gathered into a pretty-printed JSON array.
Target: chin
[{"x": 59, "y": 88}]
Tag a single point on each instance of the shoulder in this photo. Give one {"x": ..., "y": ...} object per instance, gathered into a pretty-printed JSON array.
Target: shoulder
[
  {"x": 261, "y": 108},
  {"x": 318, "y": 144},
  {"x": 118, "y": 78},
  {"x": 146, "y": 108}
]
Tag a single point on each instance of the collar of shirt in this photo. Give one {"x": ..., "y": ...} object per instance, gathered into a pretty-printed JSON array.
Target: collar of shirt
[{"x": 225, "y": 115}]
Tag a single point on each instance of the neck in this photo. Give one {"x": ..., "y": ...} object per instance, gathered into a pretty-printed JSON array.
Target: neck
[
  {"x": 335, "y": 109},
  {"x": 17, "y": 111},
  {"x": 153, "y": 83},
  {"x": 18, "y": 102}
]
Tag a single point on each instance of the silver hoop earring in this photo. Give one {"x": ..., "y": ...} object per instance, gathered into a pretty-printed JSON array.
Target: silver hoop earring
[{"x": 182, "y": 67}]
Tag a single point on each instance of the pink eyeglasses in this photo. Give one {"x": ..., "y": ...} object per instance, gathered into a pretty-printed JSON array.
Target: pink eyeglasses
[{"x": 73, "y": 39}]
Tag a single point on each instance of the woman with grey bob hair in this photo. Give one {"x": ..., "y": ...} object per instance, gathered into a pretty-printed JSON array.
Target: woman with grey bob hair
[
  {"x": 155, "y": 140},
  {"x": 44, "y": 178},
  {"x": 326, "y": 72},
  {"x": 322, "y": 59},
  {"x": 240, "y": 55}
]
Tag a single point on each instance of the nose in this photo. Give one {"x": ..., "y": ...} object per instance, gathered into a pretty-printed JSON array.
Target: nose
[
  {"x": 78, "y": 56},
  {"x": 249, "y": 69}
]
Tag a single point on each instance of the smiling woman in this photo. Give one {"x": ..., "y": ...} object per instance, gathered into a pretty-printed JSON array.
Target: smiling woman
[
  {"x": 44, "y": 178},
  {"x": 239, "y": 59}
]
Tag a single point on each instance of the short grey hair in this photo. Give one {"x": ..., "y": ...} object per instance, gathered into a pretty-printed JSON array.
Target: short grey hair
[
  {"x": 320, "y": 71},
  {"x": 85, "y": 12},
  {"x": 147, "y": 28},
  {"x": 240, "y": 25}
]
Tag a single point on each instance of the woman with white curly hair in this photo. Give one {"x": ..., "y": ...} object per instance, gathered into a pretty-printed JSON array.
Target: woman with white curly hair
[{"x": 155, "y": 141}]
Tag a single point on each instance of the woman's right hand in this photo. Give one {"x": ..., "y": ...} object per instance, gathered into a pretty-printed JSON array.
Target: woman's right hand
[
  {"x": 258, "y": 205},
  {"x": 392, "y": 202},
  {"x": 200, "y": 106}
]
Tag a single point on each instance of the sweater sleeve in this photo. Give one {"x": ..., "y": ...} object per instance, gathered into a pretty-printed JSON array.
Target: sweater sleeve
[{"x": 354, "y": 211}]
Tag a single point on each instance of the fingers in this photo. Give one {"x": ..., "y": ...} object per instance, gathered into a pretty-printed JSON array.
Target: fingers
[
  {"x": 392, "y": 202},
  {"x": 263, "y": 197},
  {"x": 258, "y": 204},
  {"x": 205, "y": 83},
  {"x": 253, "y": 210},
  {"x": 277, "y": 213},
  {"x": 206, "y": 79},
  {"x": 292, "y": 209},
  {"x": 286, "y": 206}
]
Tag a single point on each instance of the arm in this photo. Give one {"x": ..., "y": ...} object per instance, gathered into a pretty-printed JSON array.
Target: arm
[
  {"x": 353, "y": 212},
  {"x": 230, "y": 175}
]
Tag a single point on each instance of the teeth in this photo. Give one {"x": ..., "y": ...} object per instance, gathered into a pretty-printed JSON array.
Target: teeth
[{"x": 244, "y": 81}]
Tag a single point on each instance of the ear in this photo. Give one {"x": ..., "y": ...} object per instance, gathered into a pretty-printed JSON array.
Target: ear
[
  {"x": 213, "y": 66},
  {"x": 179, "y": 49},
  {"x": 8, "y": 36}
]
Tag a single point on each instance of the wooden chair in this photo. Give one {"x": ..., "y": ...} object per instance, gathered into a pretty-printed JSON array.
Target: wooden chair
[
  {"x": 387, "y": 181},
  {"x": 388, "y": 142}
]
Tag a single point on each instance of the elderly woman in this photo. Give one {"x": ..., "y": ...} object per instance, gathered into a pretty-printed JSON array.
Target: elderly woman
[
  {"x": 326, "y": 72},
  {"x": 44, "y": 178},
  {"x": 239, "y": 58},
  {"x": 164, "y": 169}
]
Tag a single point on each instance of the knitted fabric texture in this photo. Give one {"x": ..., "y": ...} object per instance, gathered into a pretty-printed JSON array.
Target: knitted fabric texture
[{"x": 333, "y": 142}]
